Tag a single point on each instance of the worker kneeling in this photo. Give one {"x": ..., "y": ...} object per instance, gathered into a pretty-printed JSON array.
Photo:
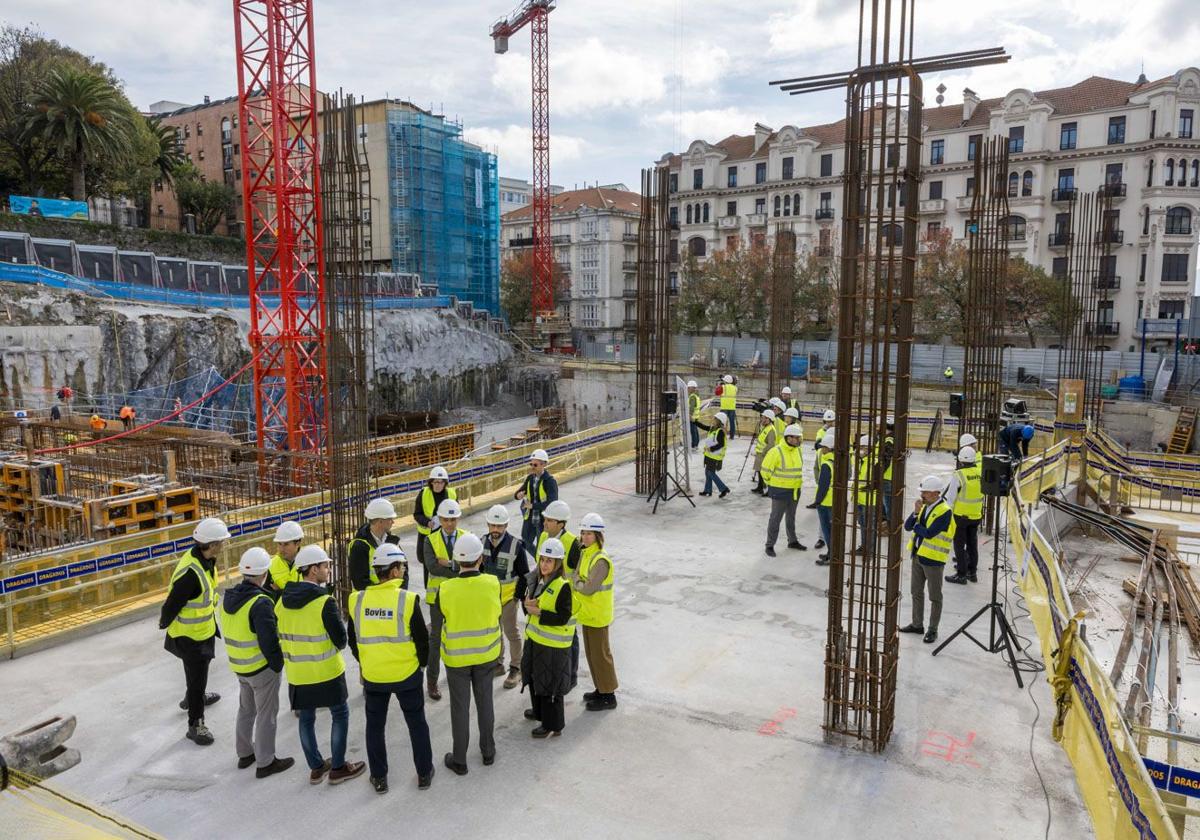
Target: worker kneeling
[
  {"x": 388, "y": 637},
  {"x": 932, "y": 527},
  {"x": 783, "y": 472},
  {"x": 470, "y": 605}
]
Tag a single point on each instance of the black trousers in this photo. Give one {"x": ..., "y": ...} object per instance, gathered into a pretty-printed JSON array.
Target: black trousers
[
  {"x": 549, "y": 711},
  {"x": 575, "y": 659},
  {"x": 195, "y": 673},
  {"x": 412, "y": 702},
  {"x": 966, "y": 545}
]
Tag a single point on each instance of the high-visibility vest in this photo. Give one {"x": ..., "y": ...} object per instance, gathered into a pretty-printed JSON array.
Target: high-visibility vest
[
  {"x": 887, "y": 467},
  {"x": 567, "y": 539},
  {"x": 428, "y": 508},
  {"x": 370, "y": 544},
  {"x": 506, "y": 561},
  {"x": 780, "y": 425},
  {"x": 760, "y": 443},
  {"x": 382, "y": 613},
  {"x": 438, "y": 540},
  {"x": 241, "y": 643},
  {"x": 939, "y": 546},
  {"x": 969, "y": 500},
  {"x": 557, "y": 636},
  {"x": 716, "y": 454},
  {"x": 694, "y": 405},
  {"x": 282, "y": 573},
  {"x": 198, "y": 618},
  {"x": 728, "y": 397},
  {"x": 948, "y": 373},
  {"x": 792, "y": 403},
  {"x": 541, "y": 492},
  {"x": 826, "y": 460},
  {"x": 865, "y": 492},
  {"x": 783, "y": 468},
  {"x": 471, "y": 631},
  {"x": 595, "y": 610},
  {"x": 309, "y": 655}
]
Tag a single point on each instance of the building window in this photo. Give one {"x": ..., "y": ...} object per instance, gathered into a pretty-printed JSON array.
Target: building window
[
  {"x": 760, "y": 206},
  {"x": 1169, "y": 173},
  {"x": 1013, "y": 228},
  {"x": 1066, "y": 179},
  {"x": 673, "y": 215},
  {"x": 935, "y": 189},
  {"x": 1062, "y": 224},
  {"x": 778, "y": 202},
  {"x": 1179, "y": 221},
  {"x": 796, "y": 204},
  {"x": 970, "y": 227},
  {"x": 688, "y": 215},
  {"x": 200, "y": 154},
  {"x": 697, "y": 246},
  {"x": 1150, "y": 173},
  {"x": 1014, "y": 184},
  {"x": 760, "y": 173},
  {"x": 697, "y": 179},
  {"x": 1171, "y": 308},
  {"x": 970, "y": 187},
  {"x": 932, "y": 230},
  {"x": 1196, "y": 172},
  {"x": 973, "y": 143},
  {"x": 937, "y": 152},
  {"x": 1067, "y": 135},
  {"x": 1145, "y": 221},
  {"x": 199, "y": 130},
  {"x": 1116, "y": 130},
  {"x": 788, "y": 165},
  {"x": 1185, "y": 122},
  {"x": 826, "y": 200},
  {"x": 1113, "y": 173},
  {"x": 1016, "y": 139},
  {"x": 1058, "y": 267},
  {"x": 673, "y": 182},
  {"x": 1142, "y": 270},
  {"x": 731, "y": 242},
  {"x": 1175, "y": 268},
  {"x": 730, "y": 208},
  {"x": 731, "y": 177},
  {"x": 1027, "y": 183},
  {"x": 706, "y": 212},
  {"x": 787, "y": 205},
  {"x": 893, "y": 156},
  {"x": 891, "y": 235},
  {"x": 826, "y": 165},
  {"x": 1108, "y": 266},
  {"x": 1182, "y": 172},
  {"x": 1153, "y": 123}
]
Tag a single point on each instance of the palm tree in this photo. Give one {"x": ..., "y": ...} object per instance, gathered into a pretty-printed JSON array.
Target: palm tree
[
  {"x": 169, "y": 156},
  {"x": 83, "y": 118}
]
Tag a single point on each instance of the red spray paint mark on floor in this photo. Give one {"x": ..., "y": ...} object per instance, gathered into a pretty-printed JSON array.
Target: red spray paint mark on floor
[
  {"x": 771, "y": 727},
  {"x": 949, "y": 748}
]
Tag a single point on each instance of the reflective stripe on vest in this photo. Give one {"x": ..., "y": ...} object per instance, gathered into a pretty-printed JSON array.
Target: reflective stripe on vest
[
  {"x": 784, "y": 467},
  {"x": 827, "y": 460},
  {"x": 729, "y": 397},
  {"x": 716, "y": 454},
  {"x": 969, "y": 500},
  {"x": 595, "y": 610},
  {"x": 370, "y": 544},
  {"x": 694, "y": 405},
  {"x": 760, "y": 443},
  {"x": 427, "y": 506},
  {"x": 556, "y": 636},
  {"x": 471, "y": 631},
  {"x": 541, "y": 492},
  {"x": 241, "y": 643},
  {"x": 506, "y": 562},
  {"x": 309, "y": 655},
  {"x": 382, "y": 614},
  {"x": 887, "y": 471},
  {"x": 565, "y": 536},
  {"x": 438, "y": 540},
  {"x": 864, "y": 493},
  {"x": 939, "y": 546},
  {"x": 198, "y": 618}
]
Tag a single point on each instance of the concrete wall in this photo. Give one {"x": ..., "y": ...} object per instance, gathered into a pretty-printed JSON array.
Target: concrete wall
[{"x": 1139, "y": 426}]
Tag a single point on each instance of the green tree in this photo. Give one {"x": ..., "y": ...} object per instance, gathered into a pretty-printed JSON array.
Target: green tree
[
  {"x": 168, "y": 156},
  {"x": 940, "y": 286},
  {"x": 208, "y": 201},
  {"x": 816, "y": 287},
  {"x": 516, "y": 287},
  {"x": 728, "y": 291},
  {"x": 1037, "y": 302}
]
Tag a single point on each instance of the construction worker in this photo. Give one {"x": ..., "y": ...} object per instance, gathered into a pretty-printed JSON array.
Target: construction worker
[
  {"x": 127, "y": 415},
  {"x": 715, "y": 447},
  {"x": 288, "y": 537},
  {"x": 827, "y": 420},
  {"x": 470, "y": 605},
  {"x": 693, "y": 413},
  {"x": 189, "y": 615},
  {"x": 312, "y": 636},
  {"x": 776, "y": 405},
  {"x": 537, "y": 491},
  {"x": 380, "y": 515},
  {"x": 948, "y": 374},
  {"x": 387, "y": 635},
  {"x": 864, "y": 496},
  {"x": 97, "y": 425},
  {"x": 763, "y": 444},
  {"x": 592, "y": 585},
  {"x": 251, "y": 635},
  {"x": 966, "y": 500},
  {"x": 438, "y": 560},
  {"x": 887, "y": 455},
  {"x": 546, "y": 664},
  {"x": 783, "y": 471},
  {"x": 727, "y": 391},
  {"x": 967, "y": 439},
  {"x": 785, "y": 394},
  {"x": 558, "y": 513},
  {"x": 436, "y": 490},
  {"x": 1014, "y": 440},
  {"x": 932, "y": 527},
  {"x": 505, "y": 556},
  {"x": 823, "y": 501}
]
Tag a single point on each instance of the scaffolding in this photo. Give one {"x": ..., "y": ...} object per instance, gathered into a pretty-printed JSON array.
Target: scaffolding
[{"x": 445, "y": 207}]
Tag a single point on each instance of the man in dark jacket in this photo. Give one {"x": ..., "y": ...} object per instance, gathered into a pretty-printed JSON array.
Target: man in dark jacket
[
  {"x": 1014, "y": 440},
  {"x": 380, "y": 516},
  {"x": 252, "y": 643},
  {"x": 537, "y": 490},
  {"x": 505, "y": 557}
]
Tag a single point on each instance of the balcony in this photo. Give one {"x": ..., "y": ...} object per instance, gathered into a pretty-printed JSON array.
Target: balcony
[
  {"x": 673, "y": 224},
  {"x": 565, "y": 268},
  {"x": 727, "y": 221},
  {"x": 1060, "y": 239},
  {"x": 824, "y": 250},
  {"x": 561, "y": 239},
  {"x": 673, "y": 258},
  {"x": 1110, "y": 237},
  {"x": 629, "y": 237},
  {"x": 933, "y": 205},
  {"x": 1107, "y": 283},
  {"x": 629, "y": 265},
  {"x": 629, "y": 293},
  {"x": 521, "y": 242},
  {"x": 1113, "y": 190},
  {"x": 823, "y": 214},
  {"x": 1176, "y": 231},
  {"x": 1103, "y": 328},
  {"x": 756, "y": 219},
  {"x": 1163, "y": 327},
  {"x": 965, "y": 203},
  {"x": 1060, "y": 194},
  {"x": 629, "y": 324}
]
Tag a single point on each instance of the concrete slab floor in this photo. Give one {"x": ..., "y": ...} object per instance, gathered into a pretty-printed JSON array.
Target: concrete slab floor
[{"x": 719, "y": 651}]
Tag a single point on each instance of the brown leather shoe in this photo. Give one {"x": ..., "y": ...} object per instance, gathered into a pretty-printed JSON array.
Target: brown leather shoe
[
  {"x": 433, "y": 691},
  {"x": 315, "y": 777},
  {"x": 349, "y": 770},
  {"x": 514, "y": 676}
]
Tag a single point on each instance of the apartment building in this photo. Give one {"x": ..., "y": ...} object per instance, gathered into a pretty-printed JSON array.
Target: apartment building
[
  {"x": 594, "y": 232},
  {"x": 1137, "y": 140},
  {"x": 515, "y": 193}
]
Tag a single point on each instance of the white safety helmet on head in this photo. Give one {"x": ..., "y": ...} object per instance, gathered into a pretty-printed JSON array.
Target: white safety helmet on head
[
  {"x": 967, "y": 455},
  {"x": 932, "y": 484},
  {"x": 254, "y": 562},
  {"x": 827, "y": 439},
  {"x": 967, "y": 439},
  {"x": 558, "y": 510},
  {"x": 497, "y": 515},
  {"x": 310, "y": 555},
  {"x": 889, "y": 421},
  {"x": 210, "y": 530},
  {"x": 793, "y": 430},
  {"x": 288, "y": 531},
  {"x": 591, "y": 522},
  {"x": 865, "y": 440},
  {"x": 785, "y": 390},
  {"x": 794, "y": 413},
  {"x": 727, "y": 379},
  {"x": 449, "y": 509},
  {"x": 721, "y": 418},
  {"x": 552, "y": 547},
  {"x": 387, "y": 554},
  {"x": 468, "y": 549},
  {"x": 778, "y": 403},
  {"x": 539, "y": 455},
  {"x": 692, "y": 383},
  {"x": 380, "y": 509},
  {"x": 439, "y": 474},
  {"x": 768, "y": 414},
  {"x": 828, "y": 416}
]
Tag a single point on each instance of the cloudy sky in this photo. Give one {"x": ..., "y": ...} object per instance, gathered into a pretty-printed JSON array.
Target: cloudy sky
[{"x": 630, "y": 79}]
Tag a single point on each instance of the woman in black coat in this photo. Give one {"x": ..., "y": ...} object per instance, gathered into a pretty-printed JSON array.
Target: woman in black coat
[{"x": 546, "y": 667}]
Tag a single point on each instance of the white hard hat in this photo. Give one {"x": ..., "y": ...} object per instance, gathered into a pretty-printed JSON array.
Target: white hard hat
[
  {"x": 552, "y": 547},
  {"x": 967, "y": 439},
  {"x": 890, "y": 421},
  {"x": 497, "y": 515},
  {"x": 255, "y": 561},
  {"x": 728, "y": 380},
  {"x": 793, "y": 430},
  {"x": 591, "y": 522},
  {"x": 310, "y": 555},
  {"x": 721, "y": 418},
  {"x": 932, "y": 484},
  {"x": 210, "y": 530},
  {"x": 692, "y": 383},
  {"x": 865, "y": 440},
  {"x": 380, "y": 509},
  {"x": 828, "y": 416},
  {"x": 827, "y": 439},
  {"x": 777, "y": 402},
  {"x": 439, "y": 473},
  {"x": 558, "y": 509},
  {"x": 967, "y": 455},
  {"x": 785, "y": 390},
  {"x": 468, "y": 549},
  {"x": 792, "y": 412},
  {"x": 289, "y": 531},
  {"x": 539, "y": 455},
  {"x": 449, "y": 509},
  {"x": 768, "y": 414},
  {"x": 387, "y": 554}
]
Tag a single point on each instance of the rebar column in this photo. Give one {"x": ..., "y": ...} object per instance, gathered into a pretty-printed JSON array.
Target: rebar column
[
  {"x": 783, "y": 305},
  {"x": 653, "y": 333}
]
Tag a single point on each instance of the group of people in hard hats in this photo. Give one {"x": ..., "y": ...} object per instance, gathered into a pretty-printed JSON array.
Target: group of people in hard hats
[{"x": 281, "y": 619}]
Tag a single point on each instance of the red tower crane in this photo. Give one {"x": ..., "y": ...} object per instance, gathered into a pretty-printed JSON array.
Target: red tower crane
[
  {"x": 536, "y": 13},
  {"x": 277, "y": 107}
]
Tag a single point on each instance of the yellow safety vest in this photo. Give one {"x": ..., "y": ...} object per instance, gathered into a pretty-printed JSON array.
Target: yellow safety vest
[
  {"x": 969, "y": 501},
  {"x": 728, "y": 397},
  {"x": 528, "y": 491},
  {"x": 471, "y": 632},
  {"x": 760, "y": 443},
  {"x": 694, "y": 405},
  {"x": 428, "y": 509},
  {"x": 939, "y": 546},
  {"x": 506, "y": 561},
  {"x": 783, "y": 468},
  {"x": 555, "y": 636},
  {"x": 716, "y": 454},
  {"x": 282, "y": 572},
  {"x": 198, "y": 618},
  {"x": 567, "y": 539},
  {"x": 241, "y": 643},
  {"x": 865, "y": 492},
  {"x": 309, "y": 655},
  {"x": 382, "y": 613},
  {"x": 370, "y": 544},
  {"x": 887, "y": 470},
  {"x": 780, "y": 425},
  {"x": 595, "y": 610},
  {"x": 827, "y": 460},
  {"x": 438, "y": 540}
]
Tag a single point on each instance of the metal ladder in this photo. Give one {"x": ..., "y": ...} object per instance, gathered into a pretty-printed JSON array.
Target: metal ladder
[{"x": 1185, "y": 427}]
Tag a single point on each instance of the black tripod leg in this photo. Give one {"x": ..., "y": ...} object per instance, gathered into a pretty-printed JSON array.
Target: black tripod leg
[
  {"x": 1010, "y": 643},
  {"x": 679, "y": 491},
  {"x": 963, "y": 629}
]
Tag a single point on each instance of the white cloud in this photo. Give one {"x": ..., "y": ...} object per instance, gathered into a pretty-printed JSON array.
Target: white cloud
[
  {"x": 513, "y": 145},
  {"x": 710, "y": 124}
]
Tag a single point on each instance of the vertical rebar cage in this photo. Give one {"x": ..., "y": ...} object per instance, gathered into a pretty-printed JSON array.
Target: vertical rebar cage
[
  {"x": 783, "y": 304},
  {"x": 653, "y": 333}
]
